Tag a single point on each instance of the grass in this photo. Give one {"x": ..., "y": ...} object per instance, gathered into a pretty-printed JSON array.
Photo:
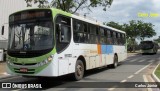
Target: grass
[{"x": 157, "y": 72}]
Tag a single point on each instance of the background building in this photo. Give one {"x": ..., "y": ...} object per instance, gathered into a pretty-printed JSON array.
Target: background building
[{"x": 6, "y": 8}]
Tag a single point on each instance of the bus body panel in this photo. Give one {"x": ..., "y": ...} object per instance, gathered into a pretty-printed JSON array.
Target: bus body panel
[{"x": 49, "y": 70}]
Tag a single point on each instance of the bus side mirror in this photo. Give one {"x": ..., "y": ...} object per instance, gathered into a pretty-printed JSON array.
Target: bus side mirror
[{"x": 2, "y": 31}]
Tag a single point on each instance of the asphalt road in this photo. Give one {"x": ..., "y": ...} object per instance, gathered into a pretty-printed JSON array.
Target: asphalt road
[{"x": 136, "y": 68}]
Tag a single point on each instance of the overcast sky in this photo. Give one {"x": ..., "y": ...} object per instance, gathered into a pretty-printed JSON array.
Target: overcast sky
[{"x": 123, "y": 11}]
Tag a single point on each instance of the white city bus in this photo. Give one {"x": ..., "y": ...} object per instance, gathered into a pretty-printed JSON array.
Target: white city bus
[
  {"x": 51, "y": 43},
  {"x": 149, "y": 47}
]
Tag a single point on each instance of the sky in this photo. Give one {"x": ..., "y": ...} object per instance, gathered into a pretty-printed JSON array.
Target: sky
[{"x": 123, "y": 11}]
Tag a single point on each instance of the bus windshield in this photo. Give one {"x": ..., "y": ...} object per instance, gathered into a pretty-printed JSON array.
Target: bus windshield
[
  {"x": 33, "y": 33},
  {"x": 145, "y": 45}
]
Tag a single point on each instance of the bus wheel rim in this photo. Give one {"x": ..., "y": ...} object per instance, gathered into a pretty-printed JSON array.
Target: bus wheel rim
[{"x": 79, "y": 70}]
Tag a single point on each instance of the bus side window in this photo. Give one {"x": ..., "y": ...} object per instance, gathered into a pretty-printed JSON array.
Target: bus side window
[
  {"x": 80, "y": 31},
  {"x": 102, "y": 36},
  {"x": 93, "y": 30},
  {"x": 2, "y": 31},
  {"x": 109, "y": 41},
  {"x": 119, "y": 38},
  {"x": 115, "y": 38},
  {"x": 124, "y": 39}
]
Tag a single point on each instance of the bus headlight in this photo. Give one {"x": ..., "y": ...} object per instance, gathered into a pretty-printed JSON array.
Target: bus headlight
[
  {"x": 49, "y": 59},
  {"x": 10, "y": 63}
]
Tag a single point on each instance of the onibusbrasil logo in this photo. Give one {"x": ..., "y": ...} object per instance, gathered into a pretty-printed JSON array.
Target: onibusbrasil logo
[{"x": 20, "y": 86}]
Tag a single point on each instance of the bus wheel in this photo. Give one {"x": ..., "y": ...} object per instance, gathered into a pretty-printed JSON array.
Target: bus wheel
[
  {"x": 79, "y": 70},
  {"x": 115, "y": 64}
]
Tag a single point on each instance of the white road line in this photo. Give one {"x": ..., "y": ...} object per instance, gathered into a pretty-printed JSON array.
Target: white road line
[
  {"x": 146, "y": 80},
  {"x": 142, "y": 68},
  {"x": 151, "y": 79},
  {"x": 130, "y": 76},
  {"x": 110, "y": 89},
  {"x": 4, "y": 73},
  {"x": 123, "y": 81},
  {"x": 141, "y": 61}
]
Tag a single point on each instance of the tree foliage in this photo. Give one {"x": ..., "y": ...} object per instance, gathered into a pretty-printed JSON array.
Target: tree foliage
[
  {"x": 135, "y": 30},
  {"x": 71, "y": 5},
  {"x": 157, "y": 40},
  {"x": 114, "y": 25}
]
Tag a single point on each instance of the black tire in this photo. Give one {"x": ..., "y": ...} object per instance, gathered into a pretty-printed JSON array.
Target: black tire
[
  {"x": 115, "y": 63},
  {"x": 79, "y": 70}
]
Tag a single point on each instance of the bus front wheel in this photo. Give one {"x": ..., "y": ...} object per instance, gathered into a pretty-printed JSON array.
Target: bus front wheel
[{"x": 79, "y": 70}]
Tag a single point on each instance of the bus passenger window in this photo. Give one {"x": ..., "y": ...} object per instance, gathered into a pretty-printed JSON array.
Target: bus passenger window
[{"x": 80, "y": 31}]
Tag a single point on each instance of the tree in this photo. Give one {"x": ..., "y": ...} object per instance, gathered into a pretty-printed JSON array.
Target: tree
[
  {"x": 145, "y": 30},
  {"x": 115, "y": 25},
  {"x": 157, "y": 40},
  {"x": 135, "y": 30},
  {"x": 71, "y": 5}
]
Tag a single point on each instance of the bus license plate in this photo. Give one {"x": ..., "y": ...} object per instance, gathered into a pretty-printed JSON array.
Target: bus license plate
[{"x": 23, "y": 70}]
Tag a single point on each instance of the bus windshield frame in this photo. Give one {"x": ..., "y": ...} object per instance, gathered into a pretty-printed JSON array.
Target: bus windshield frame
[{"x": 31, "y": 31}]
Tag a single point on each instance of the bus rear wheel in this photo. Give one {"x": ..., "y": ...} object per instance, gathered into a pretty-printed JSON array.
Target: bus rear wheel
[
  {"x": 79, "y": 70},
  {"x": 115, "y": 63}
]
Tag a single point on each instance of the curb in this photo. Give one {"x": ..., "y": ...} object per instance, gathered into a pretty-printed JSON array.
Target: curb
[{"x": 154, "y": 76}]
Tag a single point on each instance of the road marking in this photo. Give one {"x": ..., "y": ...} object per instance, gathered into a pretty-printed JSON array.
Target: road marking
[
  {"x": 151, "y": 79},
  {"x": 114, "y": 87},
  {"x": 141, "y": 61},
  {"x": 4, "y": 73},
  {"x": 110, "y": 89},
  {"x": 142, "y": 68},
  {"x": 130, "y": 76},
  {"x": 123, "y": 81},
  {"x": 146, "y": 80}
]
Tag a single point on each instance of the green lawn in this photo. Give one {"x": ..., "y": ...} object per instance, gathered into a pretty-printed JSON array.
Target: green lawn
[{"x": 157, "y": 72}]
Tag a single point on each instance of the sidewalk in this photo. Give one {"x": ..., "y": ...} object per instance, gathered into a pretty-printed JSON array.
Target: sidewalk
[
  {"x": 3, "y": 69},
  {"x": 129, "y": 54},
  {"x": 156, "y": 73}
]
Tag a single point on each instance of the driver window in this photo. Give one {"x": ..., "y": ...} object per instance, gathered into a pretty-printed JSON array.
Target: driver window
[
  {"x": 63, "y": 32},
  {"x": 63, "y": 29}
]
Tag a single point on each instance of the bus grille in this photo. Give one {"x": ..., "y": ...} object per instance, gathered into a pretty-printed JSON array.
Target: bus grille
[
  {"x": 25, "y": 64},
  {"x": 30, "y": 71}
]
